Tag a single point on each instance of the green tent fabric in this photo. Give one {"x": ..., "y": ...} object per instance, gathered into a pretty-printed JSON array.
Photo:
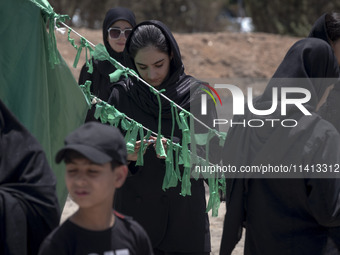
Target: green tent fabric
[{"x": 45, "y": 98}]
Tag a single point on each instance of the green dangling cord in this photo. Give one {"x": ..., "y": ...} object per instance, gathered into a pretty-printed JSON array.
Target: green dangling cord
[
  {"x": 214, "y": 198},
  {"x": 131, "y": 136},
  {"x": 131, "y": 140},
  {"x": 70, "y": 39},
  {"x": 88, "y": 62},
  {"x": 143, "y": 146},
  {"x": 170, "y": 177},
  {"x": 87, "y": 93},
  {"x": 159, "y": 144},
  {"x": 100, "y": 53},
  {"x": 186, "y": 184},
  {"x": 177, "y": 149},
  {"x": 80, "y": 48},
  {"x": 193, "y": 149}
]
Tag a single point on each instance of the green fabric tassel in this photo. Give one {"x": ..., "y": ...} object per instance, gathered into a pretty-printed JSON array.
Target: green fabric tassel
[
  {"x": 140, "y": 155},
  {"x": 170, "y": 177},
  {"x": 131, "y": 137},
  {"x": 185, "y": 138},
  {"x": 214, "y": 198},
  {"x": 177, "y": 148},
  {"x": 87, "y": 93},
  {"x": 194, "y": 158},
  {"x": 53, "y": 19},
  {"x": 186, "y": 184},
  {"x": 101, "y": 54},
  {"x": 159, "y": 144}
]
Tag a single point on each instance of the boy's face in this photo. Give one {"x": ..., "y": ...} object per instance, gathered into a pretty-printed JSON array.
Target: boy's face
[{"x": 92, "y": 185}]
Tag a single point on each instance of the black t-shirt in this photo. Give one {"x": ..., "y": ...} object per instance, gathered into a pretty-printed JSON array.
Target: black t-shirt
[{"x": 125, "y": 237}]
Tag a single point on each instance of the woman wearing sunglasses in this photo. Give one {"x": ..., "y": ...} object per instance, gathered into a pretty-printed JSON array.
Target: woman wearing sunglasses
[
  {"x": 176, "y": 224},
  {"x": 117, "y": 26}
]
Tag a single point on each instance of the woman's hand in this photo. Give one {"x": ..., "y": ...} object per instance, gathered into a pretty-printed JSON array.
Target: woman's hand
[
  {"x": 164, "y": 141},
  {"x": 133, "y": 156}
]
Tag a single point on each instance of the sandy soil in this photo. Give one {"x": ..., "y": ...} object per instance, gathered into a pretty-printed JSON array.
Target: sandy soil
[{"x": 210, "y": 57}]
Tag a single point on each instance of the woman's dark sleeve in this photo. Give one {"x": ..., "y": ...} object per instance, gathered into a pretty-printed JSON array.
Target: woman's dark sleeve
[{"x": 29, "y": 208}]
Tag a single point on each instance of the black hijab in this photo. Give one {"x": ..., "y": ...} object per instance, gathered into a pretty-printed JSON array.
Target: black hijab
[
  {"x": 29, "y": 208},
  {"x": 113, "y": 15},
  {"x": 319, "y": 29},
  {"x": 177, "y": 86}
]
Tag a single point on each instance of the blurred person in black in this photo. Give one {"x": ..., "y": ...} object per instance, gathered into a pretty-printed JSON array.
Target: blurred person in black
[
  {"x": 287, "y": 215},
  {"x": 29, "y": 208}
]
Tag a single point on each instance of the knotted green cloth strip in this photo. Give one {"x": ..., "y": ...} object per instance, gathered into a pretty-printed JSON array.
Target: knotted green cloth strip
[
  {"x": 186, "y": 184},
  {"x": 87, "y": 93},
  {"x": 143, "y": 145},
  {"x": 131, "y": 136},
  {"x": 211, "y": 134},
  {"x": 83, "y": 43},
  {"x": 193, "y": 149},
  {"x": 159, "y": 144},
  {"x": 177, "y": 149},
  {"x": 185, "y": 138},
  {"x": 80, "y": 48},
  {"x": 88, "y": 61},
  {"x": 53, "y": 20},
  {"x": 71, "y": 40},
  {"x": 214, "y": 198},
  {"x": 115, "y": 76},
  {"x": 101, "y": 54},
  {"x": 222, "y": 184},
  {"x": 108, "y": 113},
  {"x": 170, "y": 177},
  {"x": 223, "y": 136}
]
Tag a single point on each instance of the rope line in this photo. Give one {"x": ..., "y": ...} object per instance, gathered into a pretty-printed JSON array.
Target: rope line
[{"x": 147, "y": 84}]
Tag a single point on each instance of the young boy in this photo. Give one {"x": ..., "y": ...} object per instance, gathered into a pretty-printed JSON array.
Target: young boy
[{"x": 95, "y": 157}]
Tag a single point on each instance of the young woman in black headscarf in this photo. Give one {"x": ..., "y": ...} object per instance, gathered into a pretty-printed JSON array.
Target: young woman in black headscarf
[
  {"x": 174, "y": 223},
  {"x": 29, "y": 208},
  {"x": 117, "y": 26},
  {"x": 290, "y": 213}
]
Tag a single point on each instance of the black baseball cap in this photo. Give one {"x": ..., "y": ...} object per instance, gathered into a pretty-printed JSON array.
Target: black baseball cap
[{"x": 97, "y": 142}]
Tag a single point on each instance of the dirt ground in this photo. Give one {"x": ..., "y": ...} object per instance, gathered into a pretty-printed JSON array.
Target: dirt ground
[{"x": 209, "y": 57}]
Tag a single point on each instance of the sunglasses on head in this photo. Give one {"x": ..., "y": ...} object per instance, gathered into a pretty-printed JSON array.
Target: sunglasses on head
[{"x": 115, "y": 33}]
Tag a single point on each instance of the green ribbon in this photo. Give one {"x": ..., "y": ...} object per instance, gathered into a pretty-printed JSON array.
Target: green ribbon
[
  {"x": 214, "y": 198},
  {"x": 177, "y": 149},
  {"x": 193, "y": 149},
  {"x": 170, "y": 177},
  {"x": 70, "y": 39},
  {"x": 53, "y": 19},
  {"x": 143, "y": 146},
  {"x": 186, "y": 184},
  {"x": 108, "y": 114},
  {"x": 131, "y": 136},
  {"x": 87, "y": 93},
  {"x": 185, "y": 138},
  {"x": 101, "y": 54},
  {"x": 80, "y": 48},
  {"x": 159, "y": 144}
]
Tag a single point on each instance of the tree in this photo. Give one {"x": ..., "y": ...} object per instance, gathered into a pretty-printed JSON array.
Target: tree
[
  {"x": 179, "y": 15},
  {"x": 292, "y": 17}
]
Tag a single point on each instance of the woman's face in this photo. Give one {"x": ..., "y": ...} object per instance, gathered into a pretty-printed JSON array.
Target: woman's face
[
  {"x": 336, "y": 49},
  {"x": 118, "y": 43},
  {"x": 152, "y": 65}
]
